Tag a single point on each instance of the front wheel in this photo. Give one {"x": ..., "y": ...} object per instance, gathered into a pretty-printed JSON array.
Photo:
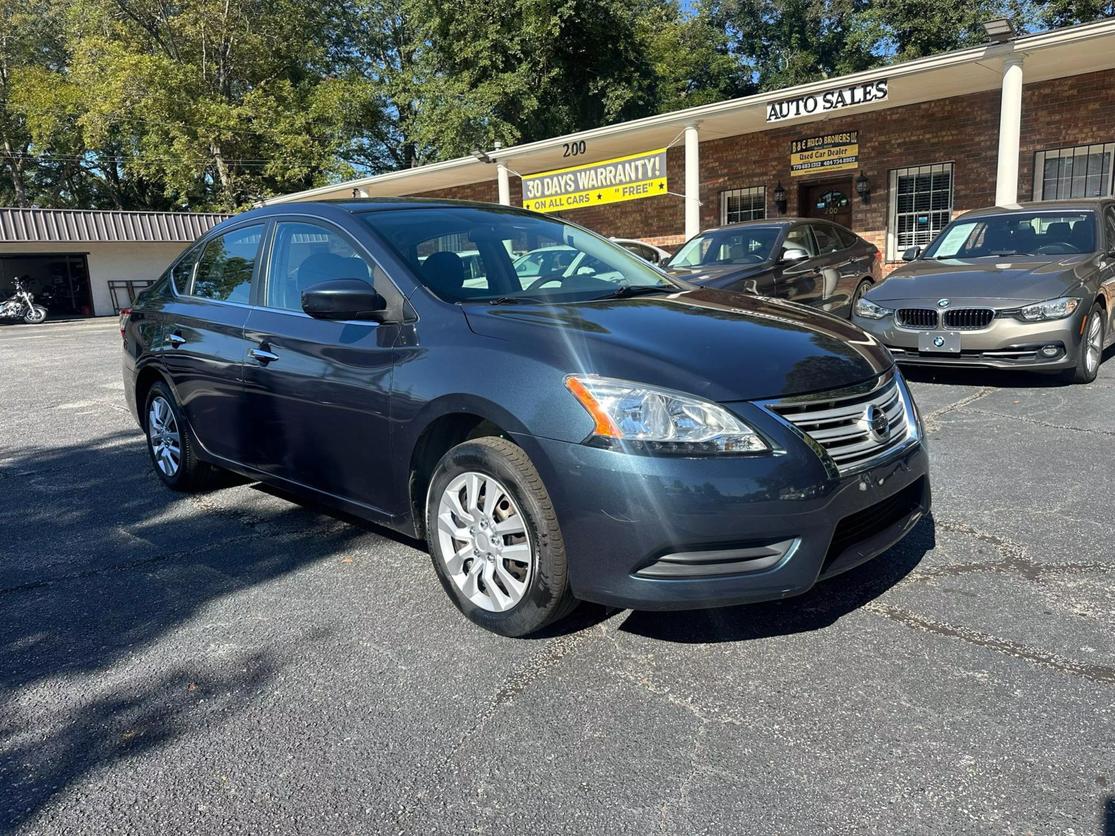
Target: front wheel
[
  {"x": 1091, "y": 348},
  {"x": 494, "y": 538},
  {"x": 36, "y": 315},
  {"x": 857, "y": 294}
]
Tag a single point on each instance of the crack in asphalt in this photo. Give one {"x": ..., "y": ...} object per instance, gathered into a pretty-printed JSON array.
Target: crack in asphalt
[
  {"x": 1026, "y": 419},
  {"x": 1094, "y": 673},
  {"x": 930, "y": 418}
]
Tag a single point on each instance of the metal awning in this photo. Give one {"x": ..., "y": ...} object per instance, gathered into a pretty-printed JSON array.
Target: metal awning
[{"x": 90, "y": 226}]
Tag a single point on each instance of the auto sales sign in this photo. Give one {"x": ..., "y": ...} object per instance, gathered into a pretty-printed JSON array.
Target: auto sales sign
[
  {"x": 610, "y": 181},
  {"x": 827, "y": 101}
]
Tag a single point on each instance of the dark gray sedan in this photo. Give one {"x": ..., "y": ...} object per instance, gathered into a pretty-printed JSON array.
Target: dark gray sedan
[
  {"x": 809, "y": 261},
  {"x": 1030, "y": 286}
]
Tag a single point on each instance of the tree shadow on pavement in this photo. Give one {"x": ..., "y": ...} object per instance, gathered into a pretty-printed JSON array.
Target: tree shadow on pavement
[
  {"x": 821, "y": 607},
  {"x": 103, "y": 577}
]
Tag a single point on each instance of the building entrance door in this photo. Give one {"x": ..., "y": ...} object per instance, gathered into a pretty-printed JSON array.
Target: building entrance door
[{"x": 831, "y": 200}]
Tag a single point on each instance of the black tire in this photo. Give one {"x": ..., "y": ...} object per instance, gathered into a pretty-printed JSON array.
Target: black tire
[
  {"x": 191, "y": 474},
  {"x": 857, "y": 294},
  {"x": 1083, "y": 372},
  {"x": 36, "y": 315},
  {"x": 547, "y": 597}
]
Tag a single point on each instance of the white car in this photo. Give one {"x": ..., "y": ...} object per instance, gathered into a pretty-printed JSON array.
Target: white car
[{"x": 645, "y": 251}]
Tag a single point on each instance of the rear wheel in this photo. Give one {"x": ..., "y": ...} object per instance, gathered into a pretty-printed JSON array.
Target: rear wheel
[
  {"x": 171, "y": 445},
  {"x": 1091, "y": 348},
  {"x": 494, "y": 538},
  {"x": 36, "y": 315}
]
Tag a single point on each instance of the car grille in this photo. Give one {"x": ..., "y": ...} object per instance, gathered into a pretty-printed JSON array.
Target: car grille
[
  {"x": 862, "y": 525},
  {"x": 838, "y": 422},
  {"x": 917, "y": 317},
  {"x": 969, "y": 318}
]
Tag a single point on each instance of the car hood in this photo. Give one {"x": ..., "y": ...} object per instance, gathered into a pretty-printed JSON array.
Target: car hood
[
  {"x": 718, "y": 345},
  {"x": 1007, "y": 282},
  {"x": 716, "y": 275}
]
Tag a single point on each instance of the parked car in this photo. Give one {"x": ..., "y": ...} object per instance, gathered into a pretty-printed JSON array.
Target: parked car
[
  {"x": 645, "y": 251},
  {"x": 1029, "y": 287},
  {"x": 813, "y": 262},
  {"x": 612, "y": 435}
]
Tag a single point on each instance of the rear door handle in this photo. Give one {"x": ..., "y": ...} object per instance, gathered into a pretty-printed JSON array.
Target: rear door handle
[
  {"x": 263, "y": 356},
  {"x": 175, "y": 340}
]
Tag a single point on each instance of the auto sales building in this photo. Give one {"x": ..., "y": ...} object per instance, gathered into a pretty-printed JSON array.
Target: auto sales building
[{"x": 892, "y": 153}]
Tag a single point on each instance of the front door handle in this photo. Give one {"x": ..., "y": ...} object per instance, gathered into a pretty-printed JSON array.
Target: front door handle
[
  {"x": 175, "y": 340},
  {"x": 263, "y": 356}
]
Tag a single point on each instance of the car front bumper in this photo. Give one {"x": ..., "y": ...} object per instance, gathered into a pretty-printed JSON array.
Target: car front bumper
[
  {"x": 658, "y": 533},
  {"x": 1007, "y": 343}
]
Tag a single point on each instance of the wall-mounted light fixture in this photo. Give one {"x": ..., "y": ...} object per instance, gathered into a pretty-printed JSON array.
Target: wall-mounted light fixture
[
  {"x": 999, "y": 31},
  {"x": 863, "y": 188},
  {"x": 780, "y": 198}
]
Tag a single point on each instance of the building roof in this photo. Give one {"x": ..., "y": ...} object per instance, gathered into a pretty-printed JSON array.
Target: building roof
[
  {"x": 1059, "y": 53},
  {"x": 89, "y": 225}
]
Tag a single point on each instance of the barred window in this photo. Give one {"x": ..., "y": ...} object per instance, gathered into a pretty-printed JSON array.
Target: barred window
[
  {"x": 1083, "y": 171},
  {"x": 920, "y": 206},
  {"x": 737, "y": 205}
]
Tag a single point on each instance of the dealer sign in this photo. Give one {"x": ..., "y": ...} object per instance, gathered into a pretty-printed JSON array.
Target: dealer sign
[
  {"x": 828, "y": 101},
  {"x": 610, "y": 181},
  {"x": 830, "y": 152}
]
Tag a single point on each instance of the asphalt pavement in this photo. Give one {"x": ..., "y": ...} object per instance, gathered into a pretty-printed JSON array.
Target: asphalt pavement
[{"x": 237, "y": 662}]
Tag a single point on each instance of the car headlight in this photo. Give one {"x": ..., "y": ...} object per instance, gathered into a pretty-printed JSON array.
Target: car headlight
[
  {"x": 1050, "y": 309},
  {"x": 660, "y": 420},
  {"x": 869, "y": 310}
]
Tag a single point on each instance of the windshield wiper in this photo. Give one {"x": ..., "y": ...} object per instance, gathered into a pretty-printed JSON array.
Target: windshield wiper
[
  {"x": 514, "y": 300},
  {"x": 626, "y": 290}
]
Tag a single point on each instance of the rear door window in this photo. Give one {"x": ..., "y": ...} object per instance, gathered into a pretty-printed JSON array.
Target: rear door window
[
  {"x": 827, "y": 239},
  {"x": 182, "y": 273},
  {"x": 227, "y": 263}
]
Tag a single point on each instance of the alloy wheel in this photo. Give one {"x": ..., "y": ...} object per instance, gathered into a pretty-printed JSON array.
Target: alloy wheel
[
  {"x": 1094, "y": 347},
  {"x": 484, "y": 542},
  {"x": 163, "y": 436}
]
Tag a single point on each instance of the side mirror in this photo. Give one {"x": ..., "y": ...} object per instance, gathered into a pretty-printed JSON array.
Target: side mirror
[
  {"x": 343, "y": 299},
  {"x": 792, "y": 255},
  {"x": 911, "y": 254}
]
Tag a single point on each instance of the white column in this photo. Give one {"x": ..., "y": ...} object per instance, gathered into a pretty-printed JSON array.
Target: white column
[
  {"x": 1010, "y": 128},
  {"x": 692, "y": 181},
  {"x": 504, "y": 183}
]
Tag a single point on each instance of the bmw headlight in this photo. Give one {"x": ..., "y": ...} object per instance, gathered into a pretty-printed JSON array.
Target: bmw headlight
[
  {"x": 1050, "y": 309},
  {"x": 660, "y": 420},
  {"x": 869, "y": 310}
]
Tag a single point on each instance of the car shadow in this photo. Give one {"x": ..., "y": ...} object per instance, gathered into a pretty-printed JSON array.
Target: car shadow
[
  {"x": 820, "y": 607},
  {"x": 102, "y": 568}
]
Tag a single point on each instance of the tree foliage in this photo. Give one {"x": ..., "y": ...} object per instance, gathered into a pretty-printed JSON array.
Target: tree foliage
[{"x": 214, "y": 103}]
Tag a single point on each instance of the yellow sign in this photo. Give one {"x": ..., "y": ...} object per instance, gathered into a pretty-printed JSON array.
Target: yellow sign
[
  {"x": 831, "y": 152},
  {"x": 594, "y": 184}
]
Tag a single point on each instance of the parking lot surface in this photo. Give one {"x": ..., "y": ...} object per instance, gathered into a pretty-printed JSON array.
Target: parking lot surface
[{"x": 237, "y": 662}]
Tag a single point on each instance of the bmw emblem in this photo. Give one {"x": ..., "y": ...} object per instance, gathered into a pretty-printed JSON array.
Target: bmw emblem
[
  {"x": 877, "y": 424},
  {"x": 943, "y": 303},
  {"x": 939, "y": 342}
]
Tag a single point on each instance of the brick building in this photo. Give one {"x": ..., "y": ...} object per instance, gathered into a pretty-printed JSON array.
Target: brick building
[{"x": 915, "y": 144}]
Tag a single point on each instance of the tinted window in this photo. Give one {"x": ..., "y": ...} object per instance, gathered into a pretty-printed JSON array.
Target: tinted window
[
  {"x": 304, "y": 255},
  {"x": 746, "y": 245},
  {"x": 847, "y": 237},
  {"x": 182, "y": 272},
  {"x": 827, "y": 239},
  {"x": 1018, "y": 233},
  {"x": 1110, "y": 229},
  {"x": 224, "y": 271},
  {"x": 463, "y": 253},
  {"x": 799, "y": 238}
]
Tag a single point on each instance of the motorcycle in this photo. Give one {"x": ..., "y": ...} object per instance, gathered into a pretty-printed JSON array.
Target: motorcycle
[{"x": 21, "y": 305}]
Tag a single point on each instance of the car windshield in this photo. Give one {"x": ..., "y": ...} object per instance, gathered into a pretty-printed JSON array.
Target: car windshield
[
  {"x": 747, "y": 245},
  {"x": 1017, "y": 233},
  {"x": 502, "y": 255}
]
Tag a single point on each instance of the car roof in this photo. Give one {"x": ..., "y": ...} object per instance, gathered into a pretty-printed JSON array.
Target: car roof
[{"x": 1092, "y": 204}]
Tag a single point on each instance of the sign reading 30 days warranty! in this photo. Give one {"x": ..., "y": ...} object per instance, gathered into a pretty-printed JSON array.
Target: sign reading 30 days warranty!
[{"x": 610, "y": 181}]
